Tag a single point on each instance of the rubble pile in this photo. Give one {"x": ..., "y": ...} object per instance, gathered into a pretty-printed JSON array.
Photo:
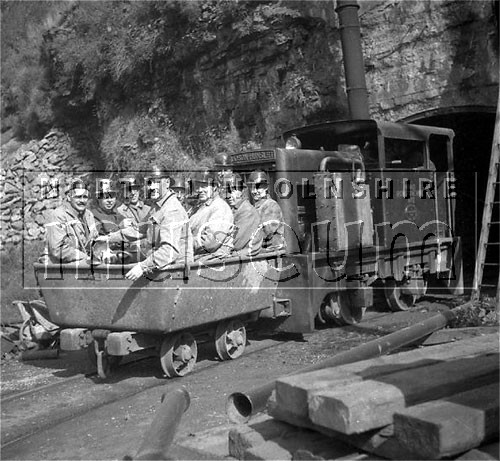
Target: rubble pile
[
  {"x": 34, "y": 333},
  {"x": 32, "y": 181}
]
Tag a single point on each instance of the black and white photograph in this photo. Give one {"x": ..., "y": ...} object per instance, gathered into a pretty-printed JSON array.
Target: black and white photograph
[{"x": 249, "y": 230}]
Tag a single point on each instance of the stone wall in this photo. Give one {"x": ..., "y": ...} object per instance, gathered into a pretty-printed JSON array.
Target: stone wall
[{"x": 25, "y": 179}]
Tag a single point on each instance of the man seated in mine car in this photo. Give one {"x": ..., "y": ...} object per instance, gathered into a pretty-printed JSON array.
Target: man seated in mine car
[
  {"x": 105, "y": 210},
  {"x": 132, "y": 208},
  {"x": 180, "y": 187},
  {"x": 271, "y": 216},
  {"x": 212, "y": 223},
  {"x": 135, "y": 213},
  {"x": 108, "y": 219},
  {"x": 167, "y": 229},
  {"x": 247, "y": 233},
  {"x": 71, "y": 227}
]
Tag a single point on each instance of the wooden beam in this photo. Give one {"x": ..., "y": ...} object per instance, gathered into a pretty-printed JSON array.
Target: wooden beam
[
  {"x": 433, "y": 430},
  {"x": 361, "y": 406},
  {"x": 292, "y": 392}
]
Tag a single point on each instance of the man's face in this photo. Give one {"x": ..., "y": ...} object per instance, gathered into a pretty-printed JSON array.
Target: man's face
[
  {"x": 79, "y": 198},
  {"x": 204, "y": 191},
  {"x": 158, "y": 188},
  {"x": 234, "y": 197},
  {"x": 133, "y": 195},
  {"x": 258, "y": 191},
  {"x": 180, "y": 192},
  {"x": 108, "y": 201}
]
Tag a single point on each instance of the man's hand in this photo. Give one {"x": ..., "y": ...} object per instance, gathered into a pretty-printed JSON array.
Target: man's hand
[
  {"x": 134, "y": 273},
  {"x": 108, "y": 257},
  {"x": 206, "y": 235},
  {"x": 127, "y": 222},
  {"x": 102, "y": 238}
]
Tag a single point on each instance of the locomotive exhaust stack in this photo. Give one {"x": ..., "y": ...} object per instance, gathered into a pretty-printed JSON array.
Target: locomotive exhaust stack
[{"x": 350, "y": 36}]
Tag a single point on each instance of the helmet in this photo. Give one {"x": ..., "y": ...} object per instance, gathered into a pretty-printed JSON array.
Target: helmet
[
  {"x": 205, "y": 177},
  {"x": 105, "y": 186},
  {"x": 76, "y": 183},
  {"x": 233, "y": 180},
  {"x": 177, "y": 181},
  {"x": 130, "y": 181},
  {"x": 221, "y": 159},
  {"x": 128, "y": 184},
  {"x": 258, "y": 177},
  {"x": 158, "y": 172}
]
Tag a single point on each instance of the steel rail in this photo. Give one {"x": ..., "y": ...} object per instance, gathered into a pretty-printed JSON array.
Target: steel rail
[{"x": 73, "y": 413}]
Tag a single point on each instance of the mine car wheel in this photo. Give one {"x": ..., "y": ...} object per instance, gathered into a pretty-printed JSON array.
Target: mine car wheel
[
  {"x": 230, "y": 339},
  {"x": 396, "y": 298},
  {"x": 102, "y": 361},
  {"x": 178, "y": 354}
]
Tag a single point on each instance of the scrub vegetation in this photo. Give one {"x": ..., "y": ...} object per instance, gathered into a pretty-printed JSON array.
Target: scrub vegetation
[{"x": 64, "y": 63}]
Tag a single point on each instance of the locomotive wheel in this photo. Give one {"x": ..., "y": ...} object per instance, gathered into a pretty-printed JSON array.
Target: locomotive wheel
[
  {"x": 230, "y": 339},
  {"x": 102, "y": 361},
  {"x": 337, "y": 309},
  {"x": 329, "y": 311},
  {"x": 397, "y": 298},
  {"x": 178, "y": 354},
  {"x": 351, "y": 314}
]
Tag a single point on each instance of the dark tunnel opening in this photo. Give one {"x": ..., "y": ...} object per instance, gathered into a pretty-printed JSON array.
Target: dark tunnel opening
[{"x": 472, "y": 151}]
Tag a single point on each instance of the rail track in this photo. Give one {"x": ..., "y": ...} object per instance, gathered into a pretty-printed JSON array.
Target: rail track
[
  {"x": 56, "y": 420},
  {"x": 23, "y": 416}
]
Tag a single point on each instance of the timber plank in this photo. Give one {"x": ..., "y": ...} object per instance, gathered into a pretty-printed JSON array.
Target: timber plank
[
  {"x": 435, "y": 429},
  {"x": 378, "y": 442},
  {"x": 361, "y": 406},
  {"x": 292, "y": 392}
]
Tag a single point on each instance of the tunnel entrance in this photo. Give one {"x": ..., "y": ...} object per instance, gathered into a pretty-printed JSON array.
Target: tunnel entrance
[{"x": 473, "y": 129}]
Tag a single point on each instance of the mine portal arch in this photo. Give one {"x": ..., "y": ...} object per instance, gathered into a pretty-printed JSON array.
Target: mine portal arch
[{"x": 474, "y": 128}]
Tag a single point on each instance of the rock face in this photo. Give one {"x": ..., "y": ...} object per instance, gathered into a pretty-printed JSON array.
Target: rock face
[
  {"x": 425, "y": 55},
  {"x": 419, "y": 56}
]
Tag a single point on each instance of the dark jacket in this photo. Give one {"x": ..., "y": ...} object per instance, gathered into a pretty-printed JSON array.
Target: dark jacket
[
  {"x": 247, "y": 237},
  {"x": 69, "y": 234},
  {"x": 107, "y": 221}
]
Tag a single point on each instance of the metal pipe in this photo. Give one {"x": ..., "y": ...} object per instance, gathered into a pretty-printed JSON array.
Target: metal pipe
[
  {"x": 242, "y": 406},
  {"x": 159, "y": 437},
  {"x": 350, "y": 37},
  {"x": 40, "y": 354}
]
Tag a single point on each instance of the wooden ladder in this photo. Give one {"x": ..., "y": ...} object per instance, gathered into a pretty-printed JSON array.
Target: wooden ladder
[{"x": 490, "y": 226}]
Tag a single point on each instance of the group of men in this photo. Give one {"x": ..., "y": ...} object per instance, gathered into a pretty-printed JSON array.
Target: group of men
[{"x": 222, "y": 216}]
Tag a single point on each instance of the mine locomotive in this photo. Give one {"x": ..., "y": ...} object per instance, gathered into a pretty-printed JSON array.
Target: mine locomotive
[{"x": 364, "y": 202}]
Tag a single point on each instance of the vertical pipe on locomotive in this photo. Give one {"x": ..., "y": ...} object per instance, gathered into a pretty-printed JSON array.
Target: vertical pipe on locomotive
[{"x": 350, "y": 37}]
